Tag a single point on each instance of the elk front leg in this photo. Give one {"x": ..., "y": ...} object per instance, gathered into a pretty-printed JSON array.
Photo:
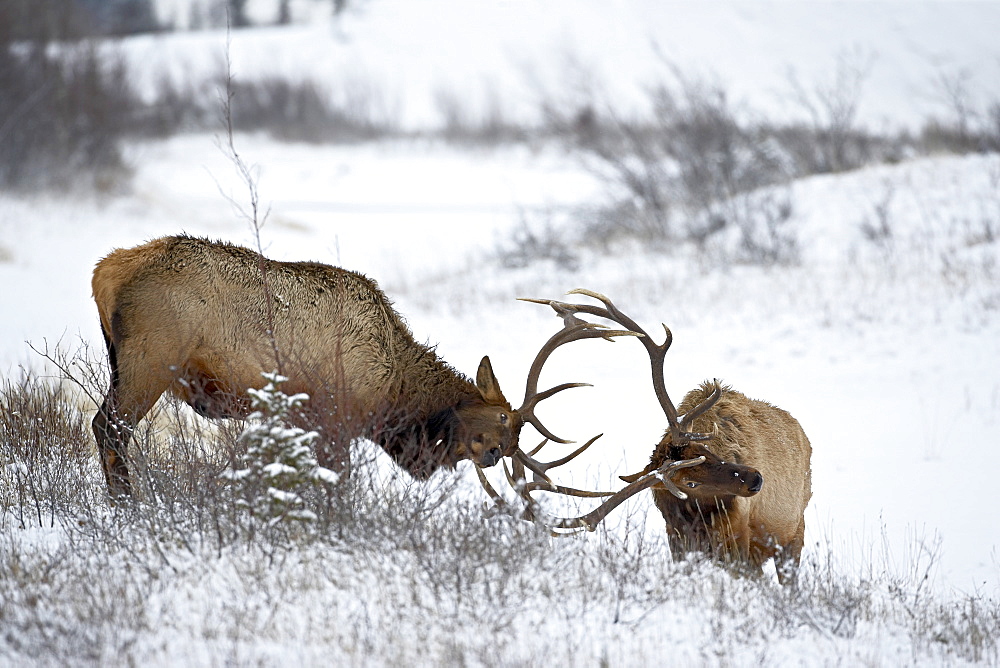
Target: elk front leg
[
  {"x": 334, "y": 454},
  {"x": 786, "y": 561}
]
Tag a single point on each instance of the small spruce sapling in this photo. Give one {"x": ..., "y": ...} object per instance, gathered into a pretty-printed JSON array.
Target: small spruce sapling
[{"x": 279, "y": 460}]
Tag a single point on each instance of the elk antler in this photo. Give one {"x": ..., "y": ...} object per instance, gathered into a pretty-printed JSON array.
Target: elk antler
[
  {"x": 574, "y": 330},
  {"x": 678, "y": 426},
  {"x": 562, "y": 525}
]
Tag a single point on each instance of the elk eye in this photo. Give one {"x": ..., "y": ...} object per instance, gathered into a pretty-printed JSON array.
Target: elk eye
[
  {"x": 503, "y": 418},
  {"x": 692, "y": 484}
]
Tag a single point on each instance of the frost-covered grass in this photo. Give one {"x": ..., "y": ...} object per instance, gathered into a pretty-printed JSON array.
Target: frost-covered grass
[{"x": 397, "y": 572}]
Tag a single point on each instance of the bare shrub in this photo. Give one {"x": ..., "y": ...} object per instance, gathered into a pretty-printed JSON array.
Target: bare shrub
[
  {"x": 879, "y": 227},
  {"x": 305, "y": 111},
  {"x": 62, "y": 116},
  {"x": 690, "y": 172},
  {"x": 489, "y": 125},
  {"x": 178, "y": 105},
  {"x": 965, "y": 126},
  {"x": 764, "y": 219},
  {"x": 576, "y": 110},
  {"x": 536, "y": 238},
  {"x": 74, "y": 19},
  {"x": 44, "y": 445},
  {"x": 717, "y": 154},
  {"x": 837, "y": 144}
]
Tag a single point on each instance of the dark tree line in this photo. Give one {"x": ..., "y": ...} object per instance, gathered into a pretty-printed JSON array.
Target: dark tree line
[{"x": 42, "y": 20}]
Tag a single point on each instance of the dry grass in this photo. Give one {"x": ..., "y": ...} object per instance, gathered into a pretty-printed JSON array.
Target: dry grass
[{"x": 392, "y": 571}]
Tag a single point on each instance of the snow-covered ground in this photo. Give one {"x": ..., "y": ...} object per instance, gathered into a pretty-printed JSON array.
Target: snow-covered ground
[
  {"x": 887, "y": 353},
  {"x": 895, "y": 374},
  {"x": 519, "y": 51}
]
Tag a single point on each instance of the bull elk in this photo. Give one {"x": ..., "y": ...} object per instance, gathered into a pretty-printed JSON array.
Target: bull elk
[
  {"x": 731, "y": 475},
  {"x": 203, "y": 320}
]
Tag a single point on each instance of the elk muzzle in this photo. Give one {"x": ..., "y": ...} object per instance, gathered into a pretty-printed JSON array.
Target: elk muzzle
[{"x": 490, "y": 457}]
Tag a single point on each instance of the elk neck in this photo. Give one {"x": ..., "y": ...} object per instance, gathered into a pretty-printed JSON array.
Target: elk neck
[
  {"x": 422, "y": 445},
  {"x": 692, "y": 510}
]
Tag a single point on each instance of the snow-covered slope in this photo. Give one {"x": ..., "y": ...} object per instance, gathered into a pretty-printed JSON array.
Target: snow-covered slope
[
  {"x": 892, "y": 363},
  {"x": 406, "y": 54}
]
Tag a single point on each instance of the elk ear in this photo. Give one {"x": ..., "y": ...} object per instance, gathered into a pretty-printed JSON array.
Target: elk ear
[{"x": 487, "y": 383}]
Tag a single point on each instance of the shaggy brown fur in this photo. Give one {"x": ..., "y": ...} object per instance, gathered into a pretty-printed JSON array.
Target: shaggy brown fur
[
  {"x": 204, "y": 319},
  {"x": 738, "y": 522}
]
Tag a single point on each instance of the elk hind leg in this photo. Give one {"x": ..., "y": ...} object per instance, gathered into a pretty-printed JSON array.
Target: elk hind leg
[{"x": 129, "y": 398}]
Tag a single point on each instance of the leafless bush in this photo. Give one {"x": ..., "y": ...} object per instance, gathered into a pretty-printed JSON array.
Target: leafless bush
[
  {"x": 179, "y": 105},
  {"x": 716, "y": 152},
  {"x": 288, "y": 109},
  {"x": 878, "y": 228},
  {"x": 764, "y": 221},
  {"x": 462, "y": 123},
  {"x": 536, "y": 238},
  {"x": 837, "y": 143},
  {"x": 62, "y": 116},
  {"x": 966, "y": 126},
  {"x": 42, "y": 20},
  {"x": 304, "y": 111},
  {"x": 688, "y": 173},
  {"x": 43, "y": 450}
]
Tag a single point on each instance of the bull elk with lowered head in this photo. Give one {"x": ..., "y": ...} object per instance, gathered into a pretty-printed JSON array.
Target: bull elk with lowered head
[
  {"x": 732, "y": 474},
  {"x": 203, "y": 320}
]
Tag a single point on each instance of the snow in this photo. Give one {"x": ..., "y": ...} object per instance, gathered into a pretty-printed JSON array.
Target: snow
[
  {"x": 889, "y": 359},
  {"x": 521, "y": 50}
]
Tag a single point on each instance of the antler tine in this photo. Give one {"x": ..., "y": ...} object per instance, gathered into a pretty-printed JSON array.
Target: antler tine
[
  {"x": 660, "y": 475},
  {"x": 678, "y": 426},
  {"x": 688, "y": 419},
  {"x": 541, "y": 479},
  {"x": 657, "y": 353},
  {"x": 497, "y": 498},
  {"x": 574, "y": 329},
  {"x": 589, "y": 521},
  {"x": 515, "y": 477},
  {"x": 540, "y": 469}
]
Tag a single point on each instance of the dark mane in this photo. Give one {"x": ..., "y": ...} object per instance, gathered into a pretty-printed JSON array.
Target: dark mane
[{"x": 420, "y": 447}]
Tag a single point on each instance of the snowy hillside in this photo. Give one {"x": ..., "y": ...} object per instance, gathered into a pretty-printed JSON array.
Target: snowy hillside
[
  {"x": 883, "y": 339},
  {"x": 518, "y": 51}
]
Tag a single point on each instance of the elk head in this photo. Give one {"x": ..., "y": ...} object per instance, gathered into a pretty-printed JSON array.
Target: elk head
[
  {"x": 711, "y": 479},
  {"x": 487, "y": 429}
]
